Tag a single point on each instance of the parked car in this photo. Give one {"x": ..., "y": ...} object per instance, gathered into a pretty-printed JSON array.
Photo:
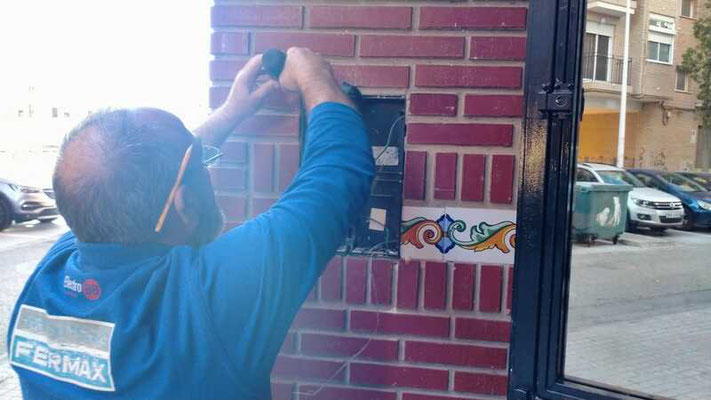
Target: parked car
[
  {"x": 696, "y": 199},
  {"x": 646, "y": 206},
  {"x": 22, "y": 203},
  {"x": 702, "y": 178}
]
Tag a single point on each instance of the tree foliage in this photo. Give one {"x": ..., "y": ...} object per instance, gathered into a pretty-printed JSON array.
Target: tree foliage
[{"x": 697, "y": 61}]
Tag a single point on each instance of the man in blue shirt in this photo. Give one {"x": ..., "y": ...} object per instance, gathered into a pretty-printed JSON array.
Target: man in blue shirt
[{"x": 142, "y": 300}]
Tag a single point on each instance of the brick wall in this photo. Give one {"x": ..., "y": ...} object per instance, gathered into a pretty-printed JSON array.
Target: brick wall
[{"x": 376, "y": 329}]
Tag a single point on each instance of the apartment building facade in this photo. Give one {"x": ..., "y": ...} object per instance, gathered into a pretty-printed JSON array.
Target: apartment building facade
[{"x": 663, "y": 127}]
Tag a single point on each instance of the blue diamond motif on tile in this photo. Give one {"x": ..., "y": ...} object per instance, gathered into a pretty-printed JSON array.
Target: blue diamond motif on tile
[{"x": 445, "y": 244}]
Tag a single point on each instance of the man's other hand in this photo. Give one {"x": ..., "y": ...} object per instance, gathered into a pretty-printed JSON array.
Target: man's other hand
[{"x": 245, "y": 97}]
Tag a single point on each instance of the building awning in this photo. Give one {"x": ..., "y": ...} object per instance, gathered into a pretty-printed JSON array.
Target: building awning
[{"x": 615, "y": 8}]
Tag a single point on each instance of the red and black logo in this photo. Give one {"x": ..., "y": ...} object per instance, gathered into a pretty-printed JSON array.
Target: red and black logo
[{"x": 91, "y": 289}]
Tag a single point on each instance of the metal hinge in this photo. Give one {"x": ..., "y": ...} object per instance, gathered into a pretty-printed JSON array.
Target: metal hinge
[{"x": 556, "y": 100}]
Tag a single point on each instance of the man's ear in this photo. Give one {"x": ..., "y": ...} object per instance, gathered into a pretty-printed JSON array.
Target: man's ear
[{"x": 186, "y": 206}]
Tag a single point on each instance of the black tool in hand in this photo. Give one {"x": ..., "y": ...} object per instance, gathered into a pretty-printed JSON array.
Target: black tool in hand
[{"x": 273, "y": 62}]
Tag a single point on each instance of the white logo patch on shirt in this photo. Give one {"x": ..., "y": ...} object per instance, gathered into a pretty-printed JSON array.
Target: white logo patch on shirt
[{"x": 68, "y": 349}]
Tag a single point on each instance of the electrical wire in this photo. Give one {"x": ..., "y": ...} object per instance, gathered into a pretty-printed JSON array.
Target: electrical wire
[{"x": 390, "y": 136}]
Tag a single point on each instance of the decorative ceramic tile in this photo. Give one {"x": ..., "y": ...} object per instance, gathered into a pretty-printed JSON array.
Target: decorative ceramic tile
[{"x": 473, "y": 235}]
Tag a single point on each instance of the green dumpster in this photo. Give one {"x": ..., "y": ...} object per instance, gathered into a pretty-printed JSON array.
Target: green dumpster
[{"x": 599, "y": 211}]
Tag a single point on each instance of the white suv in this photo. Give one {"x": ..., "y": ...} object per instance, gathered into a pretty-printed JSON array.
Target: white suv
[{"x": 646, "y": 206}]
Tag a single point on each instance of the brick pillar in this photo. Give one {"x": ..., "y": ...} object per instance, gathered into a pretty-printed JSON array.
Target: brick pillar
[{"x": 435, "y": 325}]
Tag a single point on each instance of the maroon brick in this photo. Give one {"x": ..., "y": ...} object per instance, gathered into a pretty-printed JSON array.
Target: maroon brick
[
  {"x": 263, "y": 167},
  {"x": 490, "y": 288},
  {"x": 328, "y": 44},
  {"x": 502, "y": 172},
  {"x": 376, "y": 76},
  {"x": 481, "y": 329},
  {"x": 229, "y": 43},
  {"x": 303, "y": 368},
  {"x": 386, "y": 375},
  {"x": 283, "y": 101},
  {"x": 407, "y": 284},
  {"x": 234, "y": 207},
  {"x": 341, "y": 346},
  {"x": 509, "y": 290},
  {"x": 308, "y": 392},
  {"x": 417, "y": 396},
  {"x": 480, "y": 383},
  {"x": 260, "y": 205},
  {"x": 318, "y": 318},
  {"x": 498, "y": 48},
  {"x": 455, "y": 354},
  {"x": 282, "y": 391},
  {"x": 225, "y": 69},
  {"x": 493, "y": 106},
  {"x": 381, "y": 282},
  {"x": 473, "y": 170},
  {"x": 415, "y": 175},
  {"x": 410, "y": 324},
  {"x": 460, "y": 76},
  {"x": 234, "y": 151},
  {"x": 411, "y": 46},
  {"x": 433, "y": 104},
  {"x": 284, "y": 16},
  {"x": 376, "y": 17},
  {"x": 473, "y": 18},
  {"x": 356, "y": 271},
  {"x": 435, "y": 285},
  {"x": 289, "y": 344},
  {"x": 463, "y": 287},
  {"x": 331, "y": 289},
  {"x": 228, "y": 178},
  {"x": 261, "y": 124},
  {"x": 460, "y": 134},
  {"x": 445, "y": 186},
  {"x": 288, "y": 164}
]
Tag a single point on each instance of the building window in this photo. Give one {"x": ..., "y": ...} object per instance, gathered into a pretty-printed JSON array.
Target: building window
[
  {"x": 687, "y": 8},
  {"x": 660, "y": 46},
  {"x": 660, "y": 52},
  {"x": 682, "y": 80}
]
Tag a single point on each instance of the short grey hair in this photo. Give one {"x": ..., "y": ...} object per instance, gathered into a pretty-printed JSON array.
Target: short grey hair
[{"x": 114, "y": 173}]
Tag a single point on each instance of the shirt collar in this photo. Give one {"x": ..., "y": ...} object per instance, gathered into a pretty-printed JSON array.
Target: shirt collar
[{"x": 107, "y": 255}]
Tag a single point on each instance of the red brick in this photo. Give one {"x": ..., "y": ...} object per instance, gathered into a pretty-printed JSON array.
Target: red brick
[
  {"x": 386, "y": 375},
  {"x": 473, "y": 170},
  {"x": 455, "y": 354},
  {"x": 411, "y": 46},
  {"x": 284, "y": 101},
  {"x": 302, "y": 368},
  {"x": 473, "y": 18},
  {"x": 463, "y": 287},
  {"x": 331, "y": 289},
  {"x": 480, "y": 383},
  {"x": 225, "y": 69},
  {"x": 381, "y": 282},
  {"x": 313, "y": 294},
  {"x": 417, "y": 396},
  {"x": 502, "y": 172},
  {"x": 228, "y": 178},
  {"x": 360, "y": 17},
  {"x": 460, "y": 134},
  {"x": 445, "y": 185},
  {"x": 490, "y": 288},
  {"x": 409, "y": 324},
  {"x": 376, "y": 76},
  {"x": 408, "y": 284},
  {"x": 288, "y": 164},
  {"x": 234, "y": 207},
  {"x": 493, "y": 106},
  {"x": 341, "y": 346},
  {"x": 498, "y": 48},
  {"x": 328, "y": 44},
  {"x": 282, "y": 391},
  {"x": 234, "y": 152},
  {"x": 260, "y": 205},
  {"x": 480, "y": 329},
  {"x": 218, "y": 95},
  {"x": 263, "y": 167},
  {"x": 282, "y": 125},
  {"x": 284, "y": 16},
  {"x": 435, "y": 285},
  {"x": 433, "y": 104},
  {"x": 229, "y": 43},
  {"x": 509, "y": 290},
  {"x": 415, "y": 175},
  {"x": 289, "y": 344},
  {"x": 460, "y": 76},
  {"x": 308, "y": 392},
  {"x": 318, "y": 318},
  {"x": 356, "y": 271}
]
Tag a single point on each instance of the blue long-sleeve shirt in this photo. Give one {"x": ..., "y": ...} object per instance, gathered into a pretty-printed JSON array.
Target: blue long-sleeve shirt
[{"x": 108, "y": 321}]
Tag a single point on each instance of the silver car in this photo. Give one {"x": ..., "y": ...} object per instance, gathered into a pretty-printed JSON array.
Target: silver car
[{"x": 20, "y": 203}]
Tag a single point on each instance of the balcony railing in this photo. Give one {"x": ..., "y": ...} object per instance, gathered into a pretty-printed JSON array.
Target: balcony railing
[{"x": 603, "y": 68}]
